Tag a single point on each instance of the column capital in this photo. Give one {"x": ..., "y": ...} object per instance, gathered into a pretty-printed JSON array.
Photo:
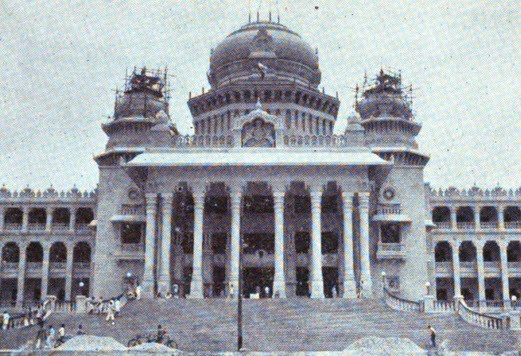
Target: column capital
[
  {"x": 479, "y": 245},
  {"x": 151, "y": 196},
  {"x": 278, "y": 196},
  {"x": 198, "y": 200},
  {"x": 167, "y": 196},
  {"x": 503, "y": 244},
  {"x": 455, "y": 245},
  {"x": 347, "y": 195}
]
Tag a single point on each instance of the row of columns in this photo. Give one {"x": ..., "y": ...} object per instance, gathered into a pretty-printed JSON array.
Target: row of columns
[
  {"x": 48, "y": 219},
  {"x": 481, "y": 270},
  {"x": 477, "y": 218},
  {"x": 279, "y": 283},
  {"x": 44, "y": 273}
]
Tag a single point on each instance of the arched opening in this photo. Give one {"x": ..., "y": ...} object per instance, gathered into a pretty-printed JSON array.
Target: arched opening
[
  {"x": 514, "y": 251},
  {"x": 34, "y": 253},
  {"x": 13, "y": 219},
  {"x": 467, "y": 252},
  {"x": 58, "y": 253},
  {"x": 441, "y": 217},
  {"x": 11, "y": 253},
  {"x": 488, "y": 217},
  {"x": 443, "y": 252},
  {"x": 84, "y": 217},
  {"x": 465, "y": 217},
  {"x": 491, "y": 252},
  {"x": 61, "y": 218},
  {"x": 512, "y": 217},
  {"x": 37, "y": 219},
  {"x": 81, "y": 253}
]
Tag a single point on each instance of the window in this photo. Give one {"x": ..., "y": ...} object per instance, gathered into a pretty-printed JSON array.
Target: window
[
  {"x": 219, "y": 240},
  {"x": 302, "y": 204},
  {"x": 216, "y": 204},
  {"x": 130, "y": 233},
  {"x": 254, "y": 243},
  {"x": 329, "y": 242},
  {"x": 330, "y": 204},
  {"x": 258, "y": 204},
  {"x": 390, "y": 233},
  {"x": 302, "y": 241}
]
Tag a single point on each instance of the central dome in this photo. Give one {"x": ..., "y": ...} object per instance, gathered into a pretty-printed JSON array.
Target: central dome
[{"x": 282, "y": 51}]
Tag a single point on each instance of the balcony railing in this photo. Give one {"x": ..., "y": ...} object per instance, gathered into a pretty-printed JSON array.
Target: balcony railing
[
  {"x": 81, "y": 265},
  {"x": 137, "y": 248},
  {"x": 390, "y": 251},
  {"x": 446, "y": 225},
  {"x": 12, "y": 227},
  {"x": 58, "y": 265},
  {"x": 36, "y": 227},
  {"x": 444, "y": 267},
  {"x": 492, "y": 265},
  {"x": 34, "y": 266},
  {"x": 468, "y": 265},
  {"x": 60, "y": 227},
  {"x": 127, "y": 209},
  {"x": 82, "y": 227},
  {"x": 489, "y": 225},
  {"x": 389, "y": 209},
  {"x": 9, "y": 266},
  {"x": 514, "y": 265},
  {"x": 465, "y": 226},
  {"x": 513, "y": 225}
]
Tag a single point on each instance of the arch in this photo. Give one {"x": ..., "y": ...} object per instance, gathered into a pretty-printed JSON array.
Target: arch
[
  {"x": 84, "y": 215},
  {"x": 13, "y": 216},
  {"x": 37, "y": 216},
  {"x": 488, "y": 214},
  {"x": 81, "y": 253},
  {"x": 441, "y": 214},
  {"x": 11, "y": 252},
  {"x": 512, "y": 217},
  {"x": 58, "y": 252},
  {"x": 61, "y": 216},
  {"x": 514, "y": 251},
  {"x": 443, "y": 252},
  {"x": 467, "y": 252},
  {"x": 34, "y": 252},
  {"x": 491, "y": 252},
  {"x": 465, "y": 214}
]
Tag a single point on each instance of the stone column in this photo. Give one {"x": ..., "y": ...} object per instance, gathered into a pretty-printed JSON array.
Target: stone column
[
  {"x": 477, "y": 219},
  {"x": 72, "y": 222},
  {"x": 317, "y": 282},
  {"x": 365, "y": 260},
  {"x": 235, "y": 198},
  {"x": 45, "y": 270},
  {"x": 150, "y": 246},
  {"x": 21, "y": 276},
  {"x": 166, "y": 236},
  {"x": 456, "y": 269},
  {"x": 501, "y": 217},
  {"x": 25, "y": 219},
  {"x": 349, "y": 274},
  {"x": 279, "y": 281},
  {"x": 453, "y": 218},
  {"x": 2, "y": 218},
  {"x": 68, "y": 272},
  {"x": 196, "y": 286},
  {"x": 48, "y": 220},
  {"x": 503, "y": 244},
  {"x": 481, "y": 274}
]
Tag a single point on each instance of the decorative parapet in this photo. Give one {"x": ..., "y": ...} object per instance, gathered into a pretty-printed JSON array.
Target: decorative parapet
[
  {"x": 475, "y": 192},
  {"x": 317, "y": 141},
  {"x": 50, "y": 192},
  {"x": 203, "y": 141}
]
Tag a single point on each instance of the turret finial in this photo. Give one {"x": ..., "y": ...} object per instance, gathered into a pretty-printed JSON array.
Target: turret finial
[{"x": 258, "y": 105}]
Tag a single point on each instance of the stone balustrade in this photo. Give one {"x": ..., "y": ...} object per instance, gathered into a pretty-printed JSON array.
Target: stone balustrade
[
  {"x": 316, "y": 141},
  {"x": 35, "y": 227},
  {"x": 12, "y": 227},
  {"x": 443, "y": 306},
  {"x": 401, "y": 304},
  {"x": 476, "y": 192},
  {"x": 127, "y": 209},
  {"x": 479, "y": 319},
  {"x": 203, "y": 141},
  {"x": 389, "y": 209}
]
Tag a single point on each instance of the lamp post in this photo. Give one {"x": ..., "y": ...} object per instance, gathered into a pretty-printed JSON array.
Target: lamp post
[
  {"x": 81, "y": 284},
  {"x": 239, "y": 300},
  {"x": 383, "y": 280},
  {"x": 428, "y": 287}
]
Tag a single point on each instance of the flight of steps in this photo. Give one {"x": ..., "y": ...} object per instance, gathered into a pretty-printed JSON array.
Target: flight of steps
[{"x": 276, "y": 324}]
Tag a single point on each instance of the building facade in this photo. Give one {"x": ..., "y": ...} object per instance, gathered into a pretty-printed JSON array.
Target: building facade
[{"x": 263, "y": 187}]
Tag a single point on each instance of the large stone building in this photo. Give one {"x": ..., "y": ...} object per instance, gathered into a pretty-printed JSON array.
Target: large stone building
[{"x": 264, "y": 183}]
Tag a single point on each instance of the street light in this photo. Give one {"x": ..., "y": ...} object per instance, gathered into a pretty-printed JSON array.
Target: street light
[
  {"x": 239, "y": 301},
  {"x": 428, "y": 287},
  {"x": 129, "y": 274},
  {"x": 383, "y": 280}
]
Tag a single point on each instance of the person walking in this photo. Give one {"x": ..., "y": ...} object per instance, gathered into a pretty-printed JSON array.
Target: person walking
[
  {"x": 61, "y": 333},
  {"x": 138, "y": 291},
  {"x": 117, "y": 307},
  {"x": 110, "y": 311},
  {"x": 433, "y": 335},
  {"x": 41, "y": 336},
  {"x": 160, "y": 334},
  {"x": 80, "y": 330},
  {"x": 50, "y": 337},
  {"x": 5, "y": 321}
]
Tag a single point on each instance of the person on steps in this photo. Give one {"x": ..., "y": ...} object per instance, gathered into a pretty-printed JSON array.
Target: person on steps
[
  {"x": 41, "y": 335},
  {"x": 433, "y": 335}
]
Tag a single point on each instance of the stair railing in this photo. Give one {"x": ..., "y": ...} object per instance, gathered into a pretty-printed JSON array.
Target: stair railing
[
  {"x": 401, "y": 304},
  {"x": 27, "y": 319},
  {"x": 479, "y": 319}
]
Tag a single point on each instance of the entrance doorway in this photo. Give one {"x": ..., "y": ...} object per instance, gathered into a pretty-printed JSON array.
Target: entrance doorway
[
  {"x": 256, "y": 279},
  {"x": 302, "y": 289},
  {"x": 330, "y": 275}
]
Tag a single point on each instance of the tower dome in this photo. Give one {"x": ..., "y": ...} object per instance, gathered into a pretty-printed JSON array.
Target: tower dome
[{"x": 260, "y": 49}]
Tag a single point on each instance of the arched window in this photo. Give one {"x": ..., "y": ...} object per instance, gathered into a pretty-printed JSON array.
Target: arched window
[
  {"x": 467, "y": 252},
  {"x": 491, "y": 252},
  {"x": 81, "y": 253},
  {"x": 443, "y": 252},
  {"x": 11, "y": 253},
  {"x": 58, "y": 253},
  {"x": 13, "y": 216},
  {"x": 34, "y": 252},
  {"x": 84, "y": 216}
]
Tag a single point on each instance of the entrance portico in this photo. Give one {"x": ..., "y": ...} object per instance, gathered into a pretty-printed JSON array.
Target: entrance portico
[{"x": 277, "y": 209}]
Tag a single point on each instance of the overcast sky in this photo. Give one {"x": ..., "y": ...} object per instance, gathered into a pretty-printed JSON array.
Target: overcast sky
[{"x": 61, "y": 60}]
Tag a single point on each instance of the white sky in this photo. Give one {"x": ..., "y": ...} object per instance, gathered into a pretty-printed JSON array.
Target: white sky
[{"x": 60, "y": 61}]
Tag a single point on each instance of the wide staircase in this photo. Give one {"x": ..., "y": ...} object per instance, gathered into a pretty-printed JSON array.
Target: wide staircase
[{"x": 277, "y": 324}]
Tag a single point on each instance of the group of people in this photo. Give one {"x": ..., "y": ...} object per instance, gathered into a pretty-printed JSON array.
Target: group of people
[
  {"x": 29, "y": 316},
  {"x": 111, "y": 308},
  {"x": 48, "y": 337}
]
